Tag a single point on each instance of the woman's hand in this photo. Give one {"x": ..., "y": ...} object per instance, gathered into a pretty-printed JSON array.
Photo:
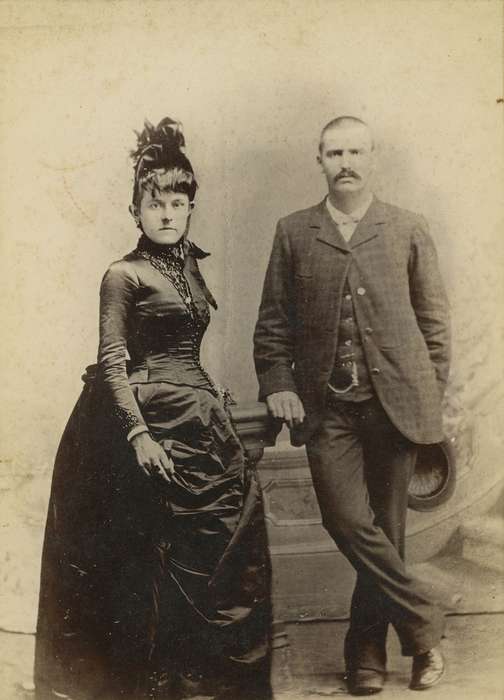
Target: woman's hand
[{"x": 151, "y": 457}]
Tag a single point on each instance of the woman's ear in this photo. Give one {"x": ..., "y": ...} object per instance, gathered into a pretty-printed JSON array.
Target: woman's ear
[
  {"x": 134, "y": 213},
  {"x": 188, "y": 222}
]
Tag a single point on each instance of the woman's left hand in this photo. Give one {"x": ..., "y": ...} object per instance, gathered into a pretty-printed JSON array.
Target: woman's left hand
[{"x": 151, "y": 457}]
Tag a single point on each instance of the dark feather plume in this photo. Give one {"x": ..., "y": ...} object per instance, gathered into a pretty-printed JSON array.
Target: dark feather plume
[{"x": 157, "y": 146}]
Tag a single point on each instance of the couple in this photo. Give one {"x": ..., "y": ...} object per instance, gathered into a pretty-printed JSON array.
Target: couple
[{"x": 155, "y": 572}]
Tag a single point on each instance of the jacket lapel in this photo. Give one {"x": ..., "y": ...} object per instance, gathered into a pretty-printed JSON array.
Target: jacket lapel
[
  {"x": 370, "y": 224},
  {"x": 367, "y": 229},
  {"x": 328, "y": 231}
]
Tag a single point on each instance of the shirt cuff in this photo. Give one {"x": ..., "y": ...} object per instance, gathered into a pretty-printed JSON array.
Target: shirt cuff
[{"x": 136, "y": 431}]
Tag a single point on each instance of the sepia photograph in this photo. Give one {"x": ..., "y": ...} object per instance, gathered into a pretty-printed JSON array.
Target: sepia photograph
[{"x": 252, "y": 349}]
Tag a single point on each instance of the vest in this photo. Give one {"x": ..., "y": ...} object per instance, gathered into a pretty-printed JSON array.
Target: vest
[{"x": 350, "y": 354}]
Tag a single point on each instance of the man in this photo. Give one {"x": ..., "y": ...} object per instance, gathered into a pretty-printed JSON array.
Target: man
[{"x": 352, "y": 352}]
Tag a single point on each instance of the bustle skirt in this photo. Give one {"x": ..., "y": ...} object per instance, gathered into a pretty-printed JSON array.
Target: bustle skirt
[{"x": 151, "y": 589}]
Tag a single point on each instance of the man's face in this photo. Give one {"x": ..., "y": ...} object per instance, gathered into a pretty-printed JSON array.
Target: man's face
[
  {"x": 164, "y": 215},
  {"x": 347, "y": 158}
]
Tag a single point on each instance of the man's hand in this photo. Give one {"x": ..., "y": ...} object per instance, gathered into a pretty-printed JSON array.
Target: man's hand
[
  {"x": 287, "y": 406},
  {"x": 151, "y": 457}
]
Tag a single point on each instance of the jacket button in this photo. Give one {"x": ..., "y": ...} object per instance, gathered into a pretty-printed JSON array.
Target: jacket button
[
  {"x": 361, "y": 291},
  {"x": 368, "y": 330},
  {"x": 375, "y": 370},
  {"x": 348, "y": 296}
]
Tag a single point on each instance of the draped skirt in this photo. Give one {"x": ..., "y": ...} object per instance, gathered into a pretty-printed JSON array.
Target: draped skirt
[{"x": 154, "y": 589}]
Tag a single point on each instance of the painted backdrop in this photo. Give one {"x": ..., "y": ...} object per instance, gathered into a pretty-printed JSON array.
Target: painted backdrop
[{"x": 252, "y": 83}]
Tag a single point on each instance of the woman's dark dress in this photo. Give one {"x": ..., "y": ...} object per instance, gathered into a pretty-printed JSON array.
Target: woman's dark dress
[{"x": 151, "y": 589}]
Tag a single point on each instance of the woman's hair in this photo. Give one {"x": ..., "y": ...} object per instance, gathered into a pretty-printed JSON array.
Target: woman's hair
[{"x": 160, "y": 162}]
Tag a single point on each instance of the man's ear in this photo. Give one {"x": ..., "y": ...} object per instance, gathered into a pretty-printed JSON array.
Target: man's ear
[{"x": 319, "y": 160}]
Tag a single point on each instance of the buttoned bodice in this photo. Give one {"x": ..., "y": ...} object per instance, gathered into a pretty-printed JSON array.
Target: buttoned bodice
[{"x": 152, "y": 321}]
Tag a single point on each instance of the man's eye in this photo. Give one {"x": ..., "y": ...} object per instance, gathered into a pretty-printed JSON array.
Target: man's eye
[{"x": 153, "y": 205}]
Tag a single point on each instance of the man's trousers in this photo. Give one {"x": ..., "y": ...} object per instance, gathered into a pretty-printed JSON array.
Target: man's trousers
[{"x": 361, "y": 468}]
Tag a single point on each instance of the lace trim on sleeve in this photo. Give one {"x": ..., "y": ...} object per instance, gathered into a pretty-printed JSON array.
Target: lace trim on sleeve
[{"x": 126, "y": 419}]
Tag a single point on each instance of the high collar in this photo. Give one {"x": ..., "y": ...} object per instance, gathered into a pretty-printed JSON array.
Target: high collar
[
  {"x": 367, "y": 228},
  {"x": 340, "y": 217},
  {"x": 170, "y": 252}
]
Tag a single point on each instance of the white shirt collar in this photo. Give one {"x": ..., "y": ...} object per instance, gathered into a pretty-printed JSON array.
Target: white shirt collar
[{"x": 354, "y": 217}]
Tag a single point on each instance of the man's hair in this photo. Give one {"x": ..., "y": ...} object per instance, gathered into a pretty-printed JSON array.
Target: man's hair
[{"x": 344, "y": 120}]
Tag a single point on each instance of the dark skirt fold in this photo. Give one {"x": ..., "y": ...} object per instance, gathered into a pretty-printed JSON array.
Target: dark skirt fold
[{"x": 151, "y": 589}]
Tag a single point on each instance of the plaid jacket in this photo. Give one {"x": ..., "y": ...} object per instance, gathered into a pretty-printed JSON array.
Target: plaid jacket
[{"x": 400, "y": 307}]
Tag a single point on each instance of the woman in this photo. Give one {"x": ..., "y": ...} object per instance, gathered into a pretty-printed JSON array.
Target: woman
[{"x": 155, "y": 572}]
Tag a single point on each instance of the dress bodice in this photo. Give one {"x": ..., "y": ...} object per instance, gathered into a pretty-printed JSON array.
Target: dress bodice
[{"x": 153, "y": 315}]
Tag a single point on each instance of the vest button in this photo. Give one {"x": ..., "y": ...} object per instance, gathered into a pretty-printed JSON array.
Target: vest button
[
  {"x": 375, "y": 370},
  {"x": 348, "y": 342},
  {"x": 368, "y": 330},
  {"x": 361, "y": 291},
  {"x": 348, "y": 296}
]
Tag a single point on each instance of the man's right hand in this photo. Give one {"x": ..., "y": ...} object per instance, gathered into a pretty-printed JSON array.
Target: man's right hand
[{"x": 287, "y": 406}]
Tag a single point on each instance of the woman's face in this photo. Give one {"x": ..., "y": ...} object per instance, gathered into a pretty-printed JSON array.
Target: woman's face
[{"x": 164, "y": 215}]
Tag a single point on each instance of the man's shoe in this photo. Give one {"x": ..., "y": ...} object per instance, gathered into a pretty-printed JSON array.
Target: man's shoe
[
  {"x": 427, "y": 669},
  {"x": 365, "y": 681}
]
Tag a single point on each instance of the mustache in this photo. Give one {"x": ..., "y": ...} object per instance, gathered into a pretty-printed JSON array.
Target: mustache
[{"x": 346, "y": 173}]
